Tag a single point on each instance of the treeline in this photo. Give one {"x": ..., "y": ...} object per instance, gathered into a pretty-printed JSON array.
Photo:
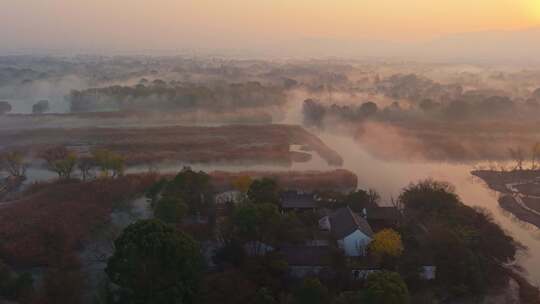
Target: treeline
[
  {"x": 175, "y": 96},
  {"x": 413, "y": 87},
  {"x": 469, "y": 107},
  {"x": 65, "y": 163},
  {"x": 421, "y": 98}
]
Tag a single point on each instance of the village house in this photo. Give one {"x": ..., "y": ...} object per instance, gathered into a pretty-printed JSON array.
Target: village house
[
  {"x": 297, "y": 201},
  {"x": 352, "y": 232},
  {"x": 232, "y": 196},
  {"x": 382, "y": 217}
]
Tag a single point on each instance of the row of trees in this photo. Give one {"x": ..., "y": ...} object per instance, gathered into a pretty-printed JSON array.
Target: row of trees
[
  {"x": 64, "y": 163},
  {"x": 519, "y": 156},
  {"x": 160, "y": 95}
]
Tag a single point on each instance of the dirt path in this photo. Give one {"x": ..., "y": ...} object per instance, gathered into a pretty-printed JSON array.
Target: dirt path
[{"x": 518, "y": 197}]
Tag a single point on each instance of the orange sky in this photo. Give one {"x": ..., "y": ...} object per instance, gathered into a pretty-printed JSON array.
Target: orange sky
[{"x": 178, "y": 23}]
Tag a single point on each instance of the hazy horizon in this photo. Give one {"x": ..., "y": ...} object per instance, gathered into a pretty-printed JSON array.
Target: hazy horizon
[{"x": 343, "y": 28}]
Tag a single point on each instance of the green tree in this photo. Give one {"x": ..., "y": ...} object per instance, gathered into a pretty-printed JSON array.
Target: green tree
[
  {"x": 256, "y": 222},
  {"x": 468, "y": 248},
  {"x": 170, "y": 210},
  {"x": 428, "y": 198},
  {"x": 231, "y": 253},
  {"x": 311, "y": 291},
  {"x": 153, "y": 263},
  {"x": 360, "y": 199},
  {"x": 385, "y": 288},
  {"x": 264, "y": 190},
  {"x": 193, "y": 188}
]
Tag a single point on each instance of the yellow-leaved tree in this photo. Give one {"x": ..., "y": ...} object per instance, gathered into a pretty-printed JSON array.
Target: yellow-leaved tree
[
  {"x": 242, "y": 183},
  {"x": 386, "y": 243}
]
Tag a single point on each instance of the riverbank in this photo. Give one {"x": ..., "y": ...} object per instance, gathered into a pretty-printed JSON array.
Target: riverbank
[
  {"x": 518, "y": 191},
  {"x": 266, "y": 144}
]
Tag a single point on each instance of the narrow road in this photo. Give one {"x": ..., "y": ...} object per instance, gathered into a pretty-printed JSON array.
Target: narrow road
[{"x": 519, "y": 197}]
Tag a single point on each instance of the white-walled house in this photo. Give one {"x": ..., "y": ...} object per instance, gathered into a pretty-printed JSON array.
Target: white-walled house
[
  {"x": 232, "y": 196},
  {"x": 352, "y": 232}
]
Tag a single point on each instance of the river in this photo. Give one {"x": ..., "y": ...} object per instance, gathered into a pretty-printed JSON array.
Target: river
[{"x": 389, "y": 178}]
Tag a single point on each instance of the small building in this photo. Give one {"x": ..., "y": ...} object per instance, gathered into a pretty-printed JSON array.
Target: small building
[
  {"x": 352, "y": 232},
  {"x": 307, "y": 261},
  {"x": 298, "y": 201},
  {"x": 233, "y": 196},
  {"x": 382, "y": 217},
  {"x": 428, "y": 273}
]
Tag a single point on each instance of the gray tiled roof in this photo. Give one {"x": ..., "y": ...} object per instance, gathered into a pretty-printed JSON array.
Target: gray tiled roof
[
  {"x": 344, "y": 221},
  {"x": 295, "y": 200}
]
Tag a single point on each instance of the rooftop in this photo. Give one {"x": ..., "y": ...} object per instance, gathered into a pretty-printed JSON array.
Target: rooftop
[
  {"x": 344, "y": 222},
  {"x": 297, "y": 200}
]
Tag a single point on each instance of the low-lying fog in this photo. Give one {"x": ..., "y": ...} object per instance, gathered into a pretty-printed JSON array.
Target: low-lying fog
[{"x": 393, "y": 124}]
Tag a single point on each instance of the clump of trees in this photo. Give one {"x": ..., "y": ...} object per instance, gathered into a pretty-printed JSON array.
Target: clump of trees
[
  {"x": 60, "y": 160},
  {"x": 40, "y": 107},
  {"x": 64, "y": 162},
  {"x": 5, "y": 107},
  {"x": 14, "y": 163},
  {"x": 385, "y": 288},
  {"x": 110, "y": 164},
  {"x": 314, "y": 112},
  {"x": 362, "y": 199},
  {"x": 519, "y": 156},
  {"x": 189, "y": 193},
  {"x": 176, "y": 96},
  {"x": 468, "y": 248},
  {"x": 170, "y": 210},
  {"x": 154, "y": 263},
  {"x": 263, "y": 190},
  {"x": 192, "y": 188},
  {"x": 311, "y": 291}
]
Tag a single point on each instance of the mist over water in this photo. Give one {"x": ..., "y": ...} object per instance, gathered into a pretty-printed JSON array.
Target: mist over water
[{"x": 390, "y": 177}]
